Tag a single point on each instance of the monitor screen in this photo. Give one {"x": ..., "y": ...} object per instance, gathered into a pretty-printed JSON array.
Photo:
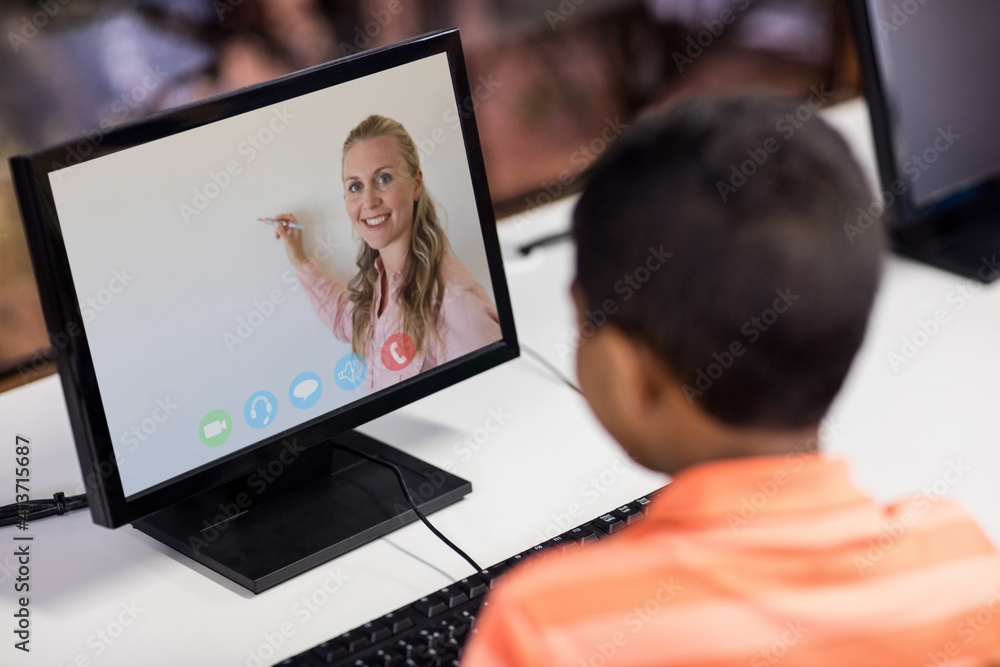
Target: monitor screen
[
  {"x": 204, "y": 336},
  {"x": 227, "y": 275},
  {"x": 939, "y": 65}
]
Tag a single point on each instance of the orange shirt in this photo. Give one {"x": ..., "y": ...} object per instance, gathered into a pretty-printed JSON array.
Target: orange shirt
[{"x": 758, "y": 562}]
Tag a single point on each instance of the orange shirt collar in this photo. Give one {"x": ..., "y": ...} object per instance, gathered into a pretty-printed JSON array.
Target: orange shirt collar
[{"x": 770, "y": 485}]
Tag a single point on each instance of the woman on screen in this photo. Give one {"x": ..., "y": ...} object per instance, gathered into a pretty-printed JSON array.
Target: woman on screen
[{"x": 412, "y": 305}]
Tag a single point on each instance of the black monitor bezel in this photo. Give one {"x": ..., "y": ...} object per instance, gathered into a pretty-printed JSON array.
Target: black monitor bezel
[
  {"x": 904, "y": 213},
  {"x": 108, "y": 503}
]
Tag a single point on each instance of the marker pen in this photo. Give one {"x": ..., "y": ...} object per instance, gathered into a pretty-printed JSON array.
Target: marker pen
[{"x": 283, "y": 223}]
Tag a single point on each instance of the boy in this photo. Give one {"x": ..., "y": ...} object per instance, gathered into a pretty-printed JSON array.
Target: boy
[{"x": 718, "y": 371}]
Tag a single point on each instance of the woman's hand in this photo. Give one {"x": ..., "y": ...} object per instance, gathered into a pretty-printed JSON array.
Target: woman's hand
[{"x": 292, "y": 239}]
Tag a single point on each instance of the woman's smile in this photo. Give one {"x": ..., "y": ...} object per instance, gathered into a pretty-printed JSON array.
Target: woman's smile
[{"x": 376, "y": 221}]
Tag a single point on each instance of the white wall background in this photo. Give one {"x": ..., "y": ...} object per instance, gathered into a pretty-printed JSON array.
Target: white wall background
[{"x": 195, "y": 273}]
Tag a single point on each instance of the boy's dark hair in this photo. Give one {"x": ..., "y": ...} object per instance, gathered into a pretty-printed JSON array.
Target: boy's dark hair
[{"x": 764, "y": 300}]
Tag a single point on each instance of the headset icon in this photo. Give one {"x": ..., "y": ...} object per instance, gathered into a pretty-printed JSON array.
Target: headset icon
[{"x": 253, "y": 409}]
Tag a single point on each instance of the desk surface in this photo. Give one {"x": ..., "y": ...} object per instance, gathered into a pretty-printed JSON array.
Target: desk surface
[{"x": 102, "y": 597}]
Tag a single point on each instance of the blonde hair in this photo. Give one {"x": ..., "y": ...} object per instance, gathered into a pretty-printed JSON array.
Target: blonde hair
[{"x": 422, "y": 292}]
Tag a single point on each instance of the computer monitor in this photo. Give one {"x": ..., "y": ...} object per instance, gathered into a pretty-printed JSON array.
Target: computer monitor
[
  {"x": 932, "y": 79},
  {"x": 210, "y": 376}
]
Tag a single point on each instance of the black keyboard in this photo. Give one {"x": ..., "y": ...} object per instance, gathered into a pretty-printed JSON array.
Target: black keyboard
[{"x": 433, "y": 630}]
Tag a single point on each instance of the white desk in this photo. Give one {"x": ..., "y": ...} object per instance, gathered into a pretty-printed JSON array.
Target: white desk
[{"x": 903, "y": 431}]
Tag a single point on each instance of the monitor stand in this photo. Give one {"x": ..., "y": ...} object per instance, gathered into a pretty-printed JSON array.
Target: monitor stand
[
  {"x": 265, "y": 528},
  {"x": 965, "y": 241}
]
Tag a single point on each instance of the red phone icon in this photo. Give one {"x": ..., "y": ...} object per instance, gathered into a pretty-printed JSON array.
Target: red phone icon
[
  {"x": 398, "y": 351},
  {"x": 395, "y": 355}
]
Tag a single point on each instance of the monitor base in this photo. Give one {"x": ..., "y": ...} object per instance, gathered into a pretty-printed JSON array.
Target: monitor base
[
  {"x": 301, "y": 511},
  {"x": 967, "y": 245}
]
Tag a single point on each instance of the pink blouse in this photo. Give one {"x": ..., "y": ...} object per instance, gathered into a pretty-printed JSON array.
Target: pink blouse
[{"x": 467, "y": 321}]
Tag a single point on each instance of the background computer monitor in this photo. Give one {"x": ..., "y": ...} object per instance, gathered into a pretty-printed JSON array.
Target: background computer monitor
[
  {"x": 204, "y": 393},
  {"x": 932, "y": 79}
]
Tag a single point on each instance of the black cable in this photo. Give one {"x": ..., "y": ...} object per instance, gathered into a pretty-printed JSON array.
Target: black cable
[
  {"x": 40, "y": 509},
  {"x": 409, "y": 499},
  {"x": 551, "y": 239},
  {"x": 551, "y": 368}
]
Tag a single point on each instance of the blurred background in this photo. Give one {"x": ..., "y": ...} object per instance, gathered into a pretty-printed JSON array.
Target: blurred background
[{"x": 553, "y": 75}]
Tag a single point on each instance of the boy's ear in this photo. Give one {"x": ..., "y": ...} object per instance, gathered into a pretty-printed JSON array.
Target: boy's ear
[
  {"x": 641, "y": 376},
  {"x": 623, "y": 381}
]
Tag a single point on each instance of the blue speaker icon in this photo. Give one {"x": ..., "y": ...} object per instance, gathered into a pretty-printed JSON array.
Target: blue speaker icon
[{"x": 350, "y": 372}]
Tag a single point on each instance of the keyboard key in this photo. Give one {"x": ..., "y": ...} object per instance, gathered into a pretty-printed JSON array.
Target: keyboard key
[
  {"x": 464, "y": 624},
  {"x": 561, "y": 543},
  {"x": 629, "y": 513},
  {"x": 426, "y": 639},
  {"x": 354, "y": 641},
  {"x": 398, "y": 622},
  {"x": 453, "y": 596},
  {"x": 495, "y": 573},
  {"x": 330, "y": 652},
  {"x": 582, "y": 535},
  {"x": 433, "y": 658},
  {"x": 517, "y": 559},
  {"x": 474, "y": 586},
  {"x": 411, "y": 649},
  {"x": 403, "y": 648},
  {"x": 388, "y": 658},
  {"x": 430, "y": 606},
  {"x": 443, "y": 628},
  {"x": 609, "y": 523},
  {"x": 643, "y": 504},
  {"x": 377, "y": 631}
]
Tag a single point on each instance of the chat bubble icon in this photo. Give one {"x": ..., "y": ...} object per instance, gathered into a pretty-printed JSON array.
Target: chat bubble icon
[{"x": 305, "y": 390}]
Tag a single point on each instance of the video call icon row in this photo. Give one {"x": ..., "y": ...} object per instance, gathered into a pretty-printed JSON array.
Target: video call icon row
[{"x": 304, "y": 392}]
